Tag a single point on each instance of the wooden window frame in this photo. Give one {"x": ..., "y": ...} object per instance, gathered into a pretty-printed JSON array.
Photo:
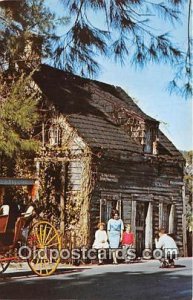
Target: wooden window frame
[{"x": 54, "y": 135}]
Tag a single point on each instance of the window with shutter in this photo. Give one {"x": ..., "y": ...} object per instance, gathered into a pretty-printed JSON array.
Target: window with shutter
[
  {"x": 148, "y": 141},
  {"x": 54, "y": 135}
]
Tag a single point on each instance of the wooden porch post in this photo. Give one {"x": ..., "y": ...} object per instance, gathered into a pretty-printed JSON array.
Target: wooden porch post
[
  {"x": 62, "y": 196},
  {"x": 133, "y": 217},
  {"x": 160, "y": 214}
]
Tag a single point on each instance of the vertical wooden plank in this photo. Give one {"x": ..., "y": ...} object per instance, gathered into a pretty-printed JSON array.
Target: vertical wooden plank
[
  {"x": 119, "y": 202},
  {"x": 108, "y": 210},
  {"x": 149, "y": 227},
  {"x": 171, "y": 219},
  {"x": 133, "y": 216},
  {"x": 160, "y": 214},
  {"x": 126, "y": 211},
  {"x": 101, "y": 201},
  {"x": 103, "y": 210}
]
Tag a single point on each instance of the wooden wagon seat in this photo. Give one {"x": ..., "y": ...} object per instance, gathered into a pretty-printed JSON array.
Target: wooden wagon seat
[
  {"x": 19, "y": 225},
  {"x": 3, "y": 228},
  {"x": 3, "y": 223}
]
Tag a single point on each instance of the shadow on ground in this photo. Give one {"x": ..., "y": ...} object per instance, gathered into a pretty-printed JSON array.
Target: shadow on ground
[
  {"x": 20, "y": 273},
  {"x": 78, "y": 284}
]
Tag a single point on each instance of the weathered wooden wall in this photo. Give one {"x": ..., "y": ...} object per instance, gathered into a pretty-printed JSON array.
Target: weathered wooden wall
[
  {"x": 126, "y": 178},
  {"x": 129, "y": 179},
  {"x": 73, "y": 178}
]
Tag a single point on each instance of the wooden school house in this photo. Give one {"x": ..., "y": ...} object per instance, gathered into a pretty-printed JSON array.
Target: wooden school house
[{"x": 103, "y": 152}]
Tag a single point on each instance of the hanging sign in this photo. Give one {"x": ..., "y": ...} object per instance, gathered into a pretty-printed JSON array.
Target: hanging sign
[
  {"x": 16, "y": 181},
  {"x": 176, "y": 182},
  {"x": 108, "y": 177}
]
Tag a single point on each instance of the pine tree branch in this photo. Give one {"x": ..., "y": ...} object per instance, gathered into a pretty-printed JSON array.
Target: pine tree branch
[{"x": 188, "y": 56}]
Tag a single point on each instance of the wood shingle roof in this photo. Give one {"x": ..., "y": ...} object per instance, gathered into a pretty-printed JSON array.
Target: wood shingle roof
[
  {"x": 100, "y": 133},
  {"x": 88, "y": 104}
]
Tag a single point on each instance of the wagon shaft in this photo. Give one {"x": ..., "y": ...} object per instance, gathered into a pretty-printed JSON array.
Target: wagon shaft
[{"x": 11, "y": 258}]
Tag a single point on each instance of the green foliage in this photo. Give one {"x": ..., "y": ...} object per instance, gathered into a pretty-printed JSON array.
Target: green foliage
[
  {"x": 188, "y": 155},
  {"x": 126, "y": 33},
  {"x": 188, "y": 178},
  {"x": 26, "y": 34},
  {"x": 18, "y": 115}
]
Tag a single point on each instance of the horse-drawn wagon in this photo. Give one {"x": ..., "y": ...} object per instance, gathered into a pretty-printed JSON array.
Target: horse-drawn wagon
[{"x": 40, "y": 247}]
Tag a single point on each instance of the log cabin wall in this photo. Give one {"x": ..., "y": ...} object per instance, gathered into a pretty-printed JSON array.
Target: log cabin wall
[
  {"x": 129, "y": 183},
  {"x": 131, "y": 180},
  {"x": 67, "y": 162},
  {"x": 118, "y": 179}
]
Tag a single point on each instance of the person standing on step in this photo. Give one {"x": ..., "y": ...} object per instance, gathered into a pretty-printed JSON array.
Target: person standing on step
[{"x": 115, "y": 229}]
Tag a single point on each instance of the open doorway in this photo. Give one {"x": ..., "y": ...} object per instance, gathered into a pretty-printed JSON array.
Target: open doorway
[
  {"x": 109, "y": 201},
  {"x": 142, "y": 225}
]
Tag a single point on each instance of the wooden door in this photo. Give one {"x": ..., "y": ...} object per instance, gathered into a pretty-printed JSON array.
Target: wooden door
[
  {"x": 164, "y": 215},
  {"x": 141, "y": 212}
]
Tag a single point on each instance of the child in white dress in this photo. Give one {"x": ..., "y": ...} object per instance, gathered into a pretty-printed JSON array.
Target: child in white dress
[{"x": 100, "y": 241}]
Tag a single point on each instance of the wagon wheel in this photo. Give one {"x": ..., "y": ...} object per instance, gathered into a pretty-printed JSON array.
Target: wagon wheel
[
  {"x": 3, "y": 265},
  {"x": 44, "y": 244}
]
